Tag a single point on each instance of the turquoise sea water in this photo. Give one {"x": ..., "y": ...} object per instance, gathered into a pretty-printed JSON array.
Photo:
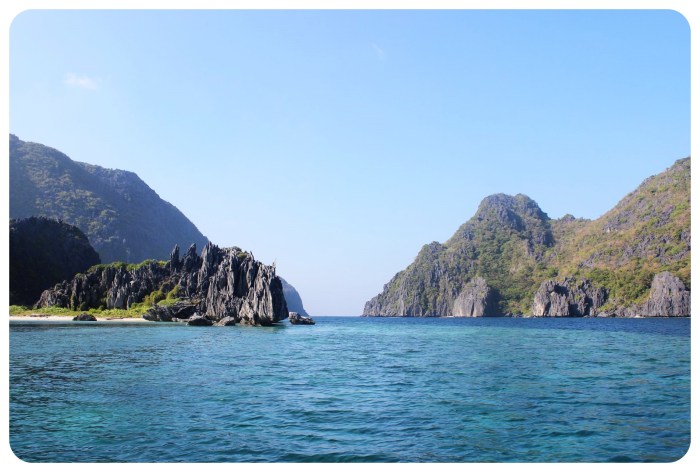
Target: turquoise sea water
[{"x": 352, "y": 389}]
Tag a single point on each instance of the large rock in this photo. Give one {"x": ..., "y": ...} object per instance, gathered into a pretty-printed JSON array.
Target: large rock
[
  {"x": 476, "y": 299},
  {"x": 296, "y": 319},
  {"x": 84, "y": 317},
  {"x": 199, "y": 321},
  {"x": 226, "y": 321},
  {"x": 568, "y": 298},
  {"x": 668, "y": 297},
  {"x": 220, "y": 283}
]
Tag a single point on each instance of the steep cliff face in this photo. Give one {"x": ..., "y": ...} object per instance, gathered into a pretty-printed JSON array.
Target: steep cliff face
[
  {"x": 668, "y": 297},
  {"x": 522, "y": 256},
  {"x": 294, "y": 302},
  {"x": 475, "y": 300},
  {"x": 217, "y": 284},
  {"x": 568, "y": 298},
  {"x": 44, "y": 252},
  {"x": 123, "y": 218}
]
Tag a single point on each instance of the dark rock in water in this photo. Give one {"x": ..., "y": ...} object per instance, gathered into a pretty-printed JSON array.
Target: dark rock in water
[
  {"x": 221, "y": 283},
  {"x": 476, "y": 299},
  {"x": 668, "y": 297},
  {"x": 44, "y": 252},
  {"x": 226, "y": 321},
  {"x": 568, "y": 298},
  {"x": 84, "y": 317},
  {"x": 297, "y": 319},
  {"x": 199, "y": 321}
]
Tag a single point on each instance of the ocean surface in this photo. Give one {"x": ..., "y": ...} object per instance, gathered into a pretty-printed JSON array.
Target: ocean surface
[{"x": 352, "y": 389}]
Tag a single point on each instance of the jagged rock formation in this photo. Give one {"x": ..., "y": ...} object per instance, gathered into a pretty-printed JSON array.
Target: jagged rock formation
[
  {"x": 293, "y": 298},
  {"x": 123, "y": 218},
  {"x": 296, "y": 319},
  {"x": 514, "y": 247},
  {"x": 668, "y": 297},
  {"x": 568, "y": 298},
  {"x": 476, "y": 299},
  {"x": 44, "y": 252},
  {"x": 217, "y": 284}
]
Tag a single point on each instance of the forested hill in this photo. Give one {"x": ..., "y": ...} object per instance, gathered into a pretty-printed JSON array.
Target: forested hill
[
  {"x": 510, "y": 249},
  {"x": 123, "y": 218}
]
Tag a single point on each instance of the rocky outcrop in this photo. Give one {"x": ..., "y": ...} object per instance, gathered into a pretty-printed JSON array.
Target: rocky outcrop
[
  {"x": 199, "y": 321},
  {"x": 668, "y": 297},
  {"x": 476, "y": 299},
  {"x": 568, "y": 298},
  {"x": 84, "y": 317},
  {"x": 296, "y": 319},
  {"x": 217, "y": 284},
  {"x": 226, "y": 321}
]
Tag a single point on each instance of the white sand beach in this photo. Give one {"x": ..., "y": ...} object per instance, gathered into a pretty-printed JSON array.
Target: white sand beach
[{"x": 39, "y": 316}]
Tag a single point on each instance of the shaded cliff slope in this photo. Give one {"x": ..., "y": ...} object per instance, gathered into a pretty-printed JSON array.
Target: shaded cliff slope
[
  {"x": 293, "y": 298},
  {"x": 123, "y": 218},
  {"x": 44, "y": 252}
]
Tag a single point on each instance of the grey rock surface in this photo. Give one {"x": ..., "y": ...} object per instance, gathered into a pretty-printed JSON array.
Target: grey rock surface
[
  {"x": 297, "y": 319},
  {"x": 668, "y": 297},
  {"x": 226, "y": 321},
  {"x": 199, "y": 321},
  {"x": 220, "y": 283},
  {"x": 476, "y": 299},
  {"x": 568, "y": 298}
]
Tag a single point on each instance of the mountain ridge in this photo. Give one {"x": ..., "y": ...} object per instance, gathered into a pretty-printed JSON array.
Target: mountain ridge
[
  {"x": 515, "y": 247},
  {"x": 123, "y": 218}
]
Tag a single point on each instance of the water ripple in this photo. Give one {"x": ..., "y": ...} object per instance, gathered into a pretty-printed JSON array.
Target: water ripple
[{"x": 353, "y": 390}]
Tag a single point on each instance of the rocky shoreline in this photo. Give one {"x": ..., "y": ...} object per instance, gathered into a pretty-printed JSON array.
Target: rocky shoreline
[{"x": 217, "y": 284}]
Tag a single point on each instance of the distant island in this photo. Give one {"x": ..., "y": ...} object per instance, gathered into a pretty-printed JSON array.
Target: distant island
[{"x": 511, "y": 259}]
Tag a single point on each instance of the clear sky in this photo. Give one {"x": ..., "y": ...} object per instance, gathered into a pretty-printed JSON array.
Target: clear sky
[{"x": 337, "y": 143}]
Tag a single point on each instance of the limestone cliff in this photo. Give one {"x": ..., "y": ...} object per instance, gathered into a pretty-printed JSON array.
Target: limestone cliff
[
  {"x": 219, "y": 283},
  {"x": 568, "y": 298},
  {"x": 526, "y": 262},
  {"x": 668, "y": 297},
  {"x": 475, "y": 300}
]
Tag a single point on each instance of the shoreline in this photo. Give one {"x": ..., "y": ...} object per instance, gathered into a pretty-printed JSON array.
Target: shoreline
[{"x": 42, "y": 317}]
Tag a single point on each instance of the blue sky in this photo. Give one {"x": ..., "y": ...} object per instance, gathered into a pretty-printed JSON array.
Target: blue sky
[{"x": 337, "y": 143}]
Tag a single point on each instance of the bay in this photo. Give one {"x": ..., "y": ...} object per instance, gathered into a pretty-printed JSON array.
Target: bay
[{"x": 352, "y": 389}]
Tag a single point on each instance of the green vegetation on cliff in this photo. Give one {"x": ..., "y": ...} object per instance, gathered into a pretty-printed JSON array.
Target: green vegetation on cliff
[
  {"x": 44, "y": 252},
  {"x": 123, "y": 218},
  {"x": 512, "y": 244}
]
